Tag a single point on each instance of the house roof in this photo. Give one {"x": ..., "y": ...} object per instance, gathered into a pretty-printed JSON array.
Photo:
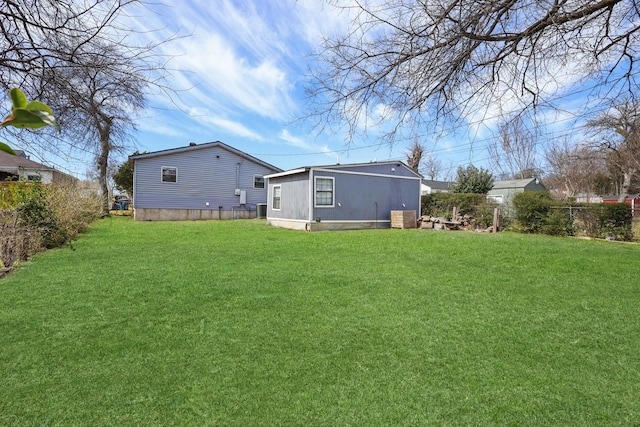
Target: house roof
[
  {"x": 339, "y": 166},
  {"x": 9, "y": 161},
  {"x": 437, "y": 185},
  {"x": 513, "y": 183},
  {"x": 194, "y": 147}
]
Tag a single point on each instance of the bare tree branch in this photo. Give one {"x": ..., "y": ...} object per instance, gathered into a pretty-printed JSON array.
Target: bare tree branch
[{"x": 422, "y": 61}]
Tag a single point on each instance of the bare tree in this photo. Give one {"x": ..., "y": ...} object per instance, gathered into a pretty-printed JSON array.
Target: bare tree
[
  {"x": 100, "y": 100},
  {"x": 39, "y": 35},
  {"x": 414, "y": 155},
  {"x": 427, "y": 59},
  {"x": 432, "y": 167},
  {"x": 573, "y": 168},
  {"x": 79, "y": 58},
  {"x": 618, "y": 137},
  {"x": 513, "y": 154}
]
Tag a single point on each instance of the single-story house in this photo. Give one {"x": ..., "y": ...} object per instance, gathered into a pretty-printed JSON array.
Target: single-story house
[
  {"x": 340, "y": 197},
  {"x": 200, "y": 181},
  {"x": 429, "y": 186},
  {"x": 19, "y": 167},
  {"x": 632, "y": 200},
  {"x": 503, "y": 192}
]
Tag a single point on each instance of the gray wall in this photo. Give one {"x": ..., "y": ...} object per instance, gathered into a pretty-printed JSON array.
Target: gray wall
[
  {"x": 206, "y": 174},
  {"x": 368, "y": 198},
  {"x": 294, "y": 197},
  {"x": 363, "y": 193}
]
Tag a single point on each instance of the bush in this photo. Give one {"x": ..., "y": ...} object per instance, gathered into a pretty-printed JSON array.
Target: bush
[
  {"x": 442, "y": 204},
  {"x": 531, "y": 210},
  {"x": 558, "y": 222},
  {"x": 615, "y": 220},
  {"x": 38, "y": 216},
  {"x": 609, "y": 220}
]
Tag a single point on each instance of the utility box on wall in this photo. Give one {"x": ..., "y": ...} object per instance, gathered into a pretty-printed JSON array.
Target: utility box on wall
[{"x": 243, "y": 197}]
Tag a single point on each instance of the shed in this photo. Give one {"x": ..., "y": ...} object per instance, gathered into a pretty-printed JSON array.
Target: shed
[
  {"x": 503, "y": 192},
  {"x": 200, "y": 181},
  {"x": 340, "y": 197}
]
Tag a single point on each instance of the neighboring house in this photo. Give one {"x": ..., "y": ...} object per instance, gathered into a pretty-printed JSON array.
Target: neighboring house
[
  {"x": 632, "y": 200},
  {"x": 200, "y": 181},
  {"x": 428, "y": 186},
  {"x": 19, "y": 167},
  {"x": 503, "y": 192},
  {"x": 339, "y": 197}
]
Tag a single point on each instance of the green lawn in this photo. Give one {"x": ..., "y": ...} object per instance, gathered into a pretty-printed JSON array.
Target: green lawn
[{"x": 239, "y": 323}]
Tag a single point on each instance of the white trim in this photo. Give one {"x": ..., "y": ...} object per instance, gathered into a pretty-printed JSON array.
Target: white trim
[
  {"x": 273, "y": 193},
  {"x": 162, "y": 168},
  {"x": 264, "y": 181},
  {"x": 331, "y": 221},
  {"x": 287, "y": 219},
  {"x": 333, "y": 191},
  {"x": 285, "y": 173}
]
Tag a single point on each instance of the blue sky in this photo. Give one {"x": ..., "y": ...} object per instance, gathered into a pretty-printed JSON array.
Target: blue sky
[
  {"x": 240, "y": 73},
  {"x": 240, "y": 78}
]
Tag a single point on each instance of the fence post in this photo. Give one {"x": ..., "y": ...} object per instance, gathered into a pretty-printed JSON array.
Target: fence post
[{"x": 496, "y": 220}]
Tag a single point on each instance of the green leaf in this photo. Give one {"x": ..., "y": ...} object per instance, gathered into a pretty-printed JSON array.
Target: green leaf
[
  {"x": 24, "y": 114},
  {"x": 4, "y": 147},
  {"x": 22, "y": 118},
  {"x": 18, "y": 99}
]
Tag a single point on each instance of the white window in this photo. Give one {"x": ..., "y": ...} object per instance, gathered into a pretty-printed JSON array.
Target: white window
[
  {"x": 169, "y": 174},
  {"x": 324, "y": 191},
  {"x": 258, "y": 181},
  {"x": 497, "y": 199},
  {"x": 276, "y": 197}
]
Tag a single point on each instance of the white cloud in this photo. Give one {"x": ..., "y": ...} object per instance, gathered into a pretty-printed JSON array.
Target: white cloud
[{"x": 297, "y": 142}]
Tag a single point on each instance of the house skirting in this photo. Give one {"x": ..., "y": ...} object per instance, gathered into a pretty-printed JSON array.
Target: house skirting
[
  {"x": 328, "y": 225},
  {"x": 148, "y": 214}
]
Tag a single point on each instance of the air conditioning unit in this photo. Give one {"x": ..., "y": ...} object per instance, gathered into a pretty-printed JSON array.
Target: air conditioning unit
[{"x": 261, "y": 210}]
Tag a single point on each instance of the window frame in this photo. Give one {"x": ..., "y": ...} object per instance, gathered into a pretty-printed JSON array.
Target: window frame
[
  {"x": 162, "y": 174},
  {"x": 263, "y": 181},
  {"x": 315, "y": 191},
  {"x": 279, "y": 197}
]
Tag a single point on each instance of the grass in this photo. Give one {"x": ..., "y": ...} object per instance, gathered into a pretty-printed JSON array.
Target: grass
[{"x": 239, "y": 323}]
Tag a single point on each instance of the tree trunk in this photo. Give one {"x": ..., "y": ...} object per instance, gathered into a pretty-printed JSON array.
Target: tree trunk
[
  {"x": 102, "y": 162},
  {"x": 626, "y": 183}
]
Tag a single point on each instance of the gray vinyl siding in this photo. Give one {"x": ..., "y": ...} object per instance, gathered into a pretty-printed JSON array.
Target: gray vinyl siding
[
  {"x": 294, "y": 203},
  {"x": 368, "y": 197},
  {"x": 363, "y": 195},
  {"x": 204, "y": 175}
]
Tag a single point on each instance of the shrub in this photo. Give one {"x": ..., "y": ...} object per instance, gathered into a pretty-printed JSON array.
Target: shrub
[
  {"x": 612, "y": 220},
  {"x": 38, "y": 216},
  {"x": 615, "y": 220},
  {"x": 558, "y": 222},
  {"x": 531, "y": 210},
  {"x": 72, "y": 209},
  {"x": 442, "y": 204}
]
